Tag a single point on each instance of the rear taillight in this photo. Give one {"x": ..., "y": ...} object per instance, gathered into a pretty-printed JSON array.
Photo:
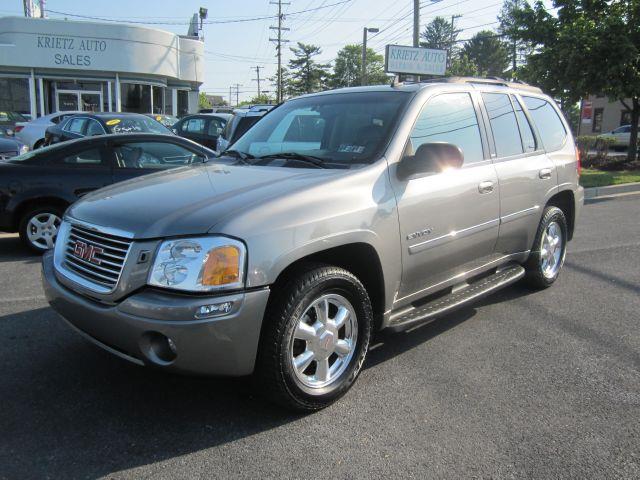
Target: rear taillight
[
  {"x": 17, "y": 128},
  {"x": 578, "y": 162}
]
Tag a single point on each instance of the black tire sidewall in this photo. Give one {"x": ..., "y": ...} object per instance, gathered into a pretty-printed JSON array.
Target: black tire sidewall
[
  {"x": 24, "y": 222},
  {"x": 326, "y": 280},
  {"x": 534, "y": 267}
]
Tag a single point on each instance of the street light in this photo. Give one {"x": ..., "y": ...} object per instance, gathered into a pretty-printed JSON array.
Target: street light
[{"x": 364, "y": 51}]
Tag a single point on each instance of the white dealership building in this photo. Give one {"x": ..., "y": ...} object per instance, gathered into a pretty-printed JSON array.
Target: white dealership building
[{"x": 54, "y": 65}]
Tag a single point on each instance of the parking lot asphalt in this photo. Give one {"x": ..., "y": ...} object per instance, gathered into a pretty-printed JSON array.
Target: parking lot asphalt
[{"x": 521, "y": 385}]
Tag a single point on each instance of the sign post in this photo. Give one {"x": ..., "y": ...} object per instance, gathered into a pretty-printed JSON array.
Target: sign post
[{"x": 415, "y": 60}]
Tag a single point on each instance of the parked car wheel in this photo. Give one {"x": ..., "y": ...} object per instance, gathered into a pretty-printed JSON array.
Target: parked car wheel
[
  {"x": 549, "y": 249},
  {"x": 315, "y": 338},
  {"x": 39, "y": 227}
]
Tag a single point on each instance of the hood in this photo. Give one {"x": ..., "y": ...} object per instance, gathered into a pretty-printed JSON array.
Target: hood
[{"x": 189, "y": 200}]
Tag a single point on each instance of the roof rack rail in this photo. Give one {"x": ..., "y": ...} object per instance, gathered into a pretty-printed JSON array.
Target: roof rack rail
[{"x": 517, "y": 84}]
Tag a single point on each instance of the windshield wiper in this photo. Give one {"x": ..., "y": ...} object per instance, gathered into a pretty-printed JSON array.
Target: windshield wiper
[
  {"x": 317, "y": 161},
  {"x": 242, "y": 156}
]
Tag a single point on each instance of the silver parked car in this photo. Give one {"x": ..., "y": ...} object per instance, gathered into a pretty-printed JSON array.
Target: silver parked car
[
  {"x": 32, "y": 133},
  {"x": 338, "y": 214}
]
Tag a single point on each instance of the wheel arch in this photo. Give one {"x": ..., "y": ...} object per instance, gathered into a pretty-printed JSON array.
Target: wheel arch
[
  {"x": 23, "y": 207},
  {"x": 565, "y": 201},
  {"x": 359, "y": 258}
]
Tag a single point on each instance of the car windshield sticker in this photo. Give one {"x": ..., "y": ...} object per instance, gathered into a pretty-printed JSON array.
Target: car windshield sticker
[
  {"x": 158, "y": 117},
  {"x": 351, "y": 148},
  {"x": 114, "y": 121}
]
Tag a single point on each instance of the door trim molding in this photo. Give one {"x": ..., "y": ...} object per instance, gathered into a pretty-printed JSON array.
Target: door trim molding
[
  {"x": 454, "y": 235},
  {"x": 519, "y": 214}
]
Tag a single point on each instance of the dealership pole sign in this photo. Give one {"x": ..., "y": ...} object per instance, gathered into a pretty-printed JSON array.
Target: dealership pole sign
[{"x": 415, "y": 60}]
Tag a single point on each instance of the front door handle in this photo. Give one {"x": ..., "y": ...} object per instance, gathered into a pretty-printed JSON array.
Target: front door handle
[
  {"x": 545, "y": 173},
  {"x": 485, "y": 187}
]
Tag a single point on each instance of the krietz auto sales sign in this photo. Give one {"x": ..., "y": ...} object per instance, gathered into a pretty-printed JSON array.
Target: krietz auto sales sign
[{"x": 417, "y": 61}]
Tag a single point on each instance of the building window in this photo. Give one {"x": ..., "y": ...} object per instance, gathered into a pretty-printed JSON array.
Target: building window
[
  {"x": 168, "y": 101},
  {"x": 158, "y": 97},
  {"x": 14, "y": 95},
  {"x": 183, "y": 102},
  {"x": 625, "y": 117},
  {"x": 597, "y": 120},
  {"x": 135, "y": 97}
]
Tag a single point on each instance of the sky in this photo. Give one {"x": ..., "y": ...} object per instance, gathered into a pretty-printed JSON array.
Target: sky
[{"x": 237, "y": 35}]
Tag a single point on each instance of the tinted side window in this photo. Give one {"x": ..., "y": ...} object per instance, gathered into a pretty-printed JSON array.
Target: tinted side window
[
  {"x": 94, "y": 128},
  {"x": 194, "y": 125},
  {"x": 215, "y": 127},
  {"x": 506, "y": 135},
  {"x": 547, "y": 121},
  {"x": 526, "y": 132},
  {"x": 157, "y": 155},
  {"x": 89, "y": 158},
  {"x": 451, "y": 118},
  {"x": 76, "y": 125}
]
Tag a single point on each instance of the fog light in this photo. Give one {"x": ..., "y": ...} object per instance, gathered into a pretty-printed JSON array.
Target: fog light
[{"x": 214, "y": 309}]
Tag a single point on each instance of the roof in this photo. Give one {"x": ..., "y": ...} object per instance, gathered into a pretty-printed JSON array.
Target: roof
[{"x": 415, "y": 86}]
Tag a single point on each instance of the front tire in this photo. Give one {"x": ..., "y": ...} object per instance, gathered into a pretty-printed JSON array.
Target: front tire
[
  {"x": 39, "y": 228},
  {"x": 315, "y": 338},
  {"x": 549, "y": 249}
]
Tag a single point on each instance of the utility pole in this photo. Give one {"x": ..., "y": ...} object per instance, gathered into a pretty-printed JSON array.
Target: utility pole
[
  {"x": 364, "y": 52},
  {"x": 257, "y": 79},
  {"x": 453, "y": 29},
  {"x": 230, "y": 98},
  {"x": 279, "y": 41},
  {"x": 237, "y": 85},
  {"x": 416, "y": 23}
]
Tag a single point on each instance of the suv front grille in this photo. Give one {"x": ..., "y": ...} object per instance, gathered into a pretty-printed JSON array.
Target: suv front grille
[{"x": 95, "y": 256}]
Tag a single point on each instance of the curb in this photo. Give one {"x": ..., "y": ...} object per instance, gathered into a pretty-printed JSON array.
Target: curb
[{"x": 597, "y": 192}]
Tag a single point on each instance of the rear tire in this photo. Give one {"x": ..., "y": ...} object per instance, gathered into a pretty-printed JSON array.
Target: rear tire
[
  {"x": 315, "y": 338},
  {"x": 39, "y": 227},
  {"x": 549, "y": 249}
]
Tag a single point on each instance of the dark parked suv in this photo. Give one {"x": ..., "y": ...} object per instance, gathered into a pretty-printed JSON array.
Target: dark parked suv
[{"x": 345, "y": 212}]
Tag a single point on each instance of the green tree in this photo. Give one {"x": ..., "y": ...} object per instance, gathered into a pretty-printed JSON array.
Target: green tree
[
  {"x": 203, "y": 101},
  {"x": 518, "y": 50},
  {"x": 462, "y": 66},
  {"x": 440, "y": 34},
  {"x": 307, "y": 75},
  {"x": 258, "y": 99},
  {"x": 488, "y": 53},
  {"x": 347, "y": 70},
  {"x": 587, "y": 47}
]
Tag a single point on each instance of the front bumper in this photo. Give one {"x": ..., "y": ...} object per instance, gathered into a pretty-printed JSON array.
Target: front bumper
[{"x": 225, "y": 345}]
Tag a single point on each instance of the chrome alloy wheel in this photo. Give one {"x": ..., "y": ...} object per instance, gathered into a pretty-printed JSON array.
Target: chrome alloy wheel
[
  {"x": 323, "y": 341},
  {"x": 42, "y": 230},
  {"x": 551, "y": 249}
]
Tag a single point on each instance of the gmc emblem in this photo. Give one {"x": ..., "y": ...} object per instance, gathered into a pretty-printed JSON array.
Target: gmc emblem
[{"x": 87, "y": 252}]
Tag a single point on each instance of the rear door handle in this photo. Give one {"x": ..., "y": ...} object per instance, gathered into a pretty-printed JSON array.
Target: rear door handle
[
  {"x": 485, "y": 187},
  {"x": 545, "y": 173}
]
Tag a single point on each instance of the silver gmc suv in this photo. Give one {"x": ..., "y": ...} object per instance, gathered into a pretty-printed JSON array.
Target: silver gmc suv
[{"x": 336, "y": 215}]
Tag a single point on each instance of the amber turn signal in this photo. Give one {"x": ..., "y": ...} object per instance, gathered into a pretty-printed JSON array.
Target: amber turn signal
[{"x": 221, "y": 267}]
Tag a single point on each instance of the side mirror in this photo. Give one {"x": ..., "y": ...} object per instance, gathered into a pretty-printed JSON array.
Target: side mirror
[{"x": 430, "y": 158}]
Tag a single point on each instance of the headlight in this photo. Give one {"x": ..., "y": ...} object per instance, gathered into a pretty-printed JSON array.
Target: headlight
[
  {"x": 23, "y": 149},
  {"x": 199, "y": 264}
]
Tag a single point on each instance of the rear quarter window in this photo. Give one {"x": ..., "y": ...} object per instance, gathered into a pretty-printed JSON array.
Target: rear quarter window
[{"x": 548, "y": 123}]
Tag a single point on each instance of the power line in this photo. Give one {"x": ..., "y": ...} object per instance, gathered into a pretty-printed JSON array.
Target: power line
[{"x": 206, "y": 22}]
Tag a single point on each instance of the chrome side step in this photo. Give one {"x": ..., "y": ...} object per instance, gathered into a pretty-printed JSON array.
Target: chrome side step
[{"x": 413, "y": 316}]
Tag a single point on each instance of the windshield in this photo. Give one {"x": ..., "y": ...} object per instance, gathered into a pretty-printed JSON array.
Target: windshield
[
  {"x": 347, "y": 128},
  {"x": 135, "y": 125}
]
